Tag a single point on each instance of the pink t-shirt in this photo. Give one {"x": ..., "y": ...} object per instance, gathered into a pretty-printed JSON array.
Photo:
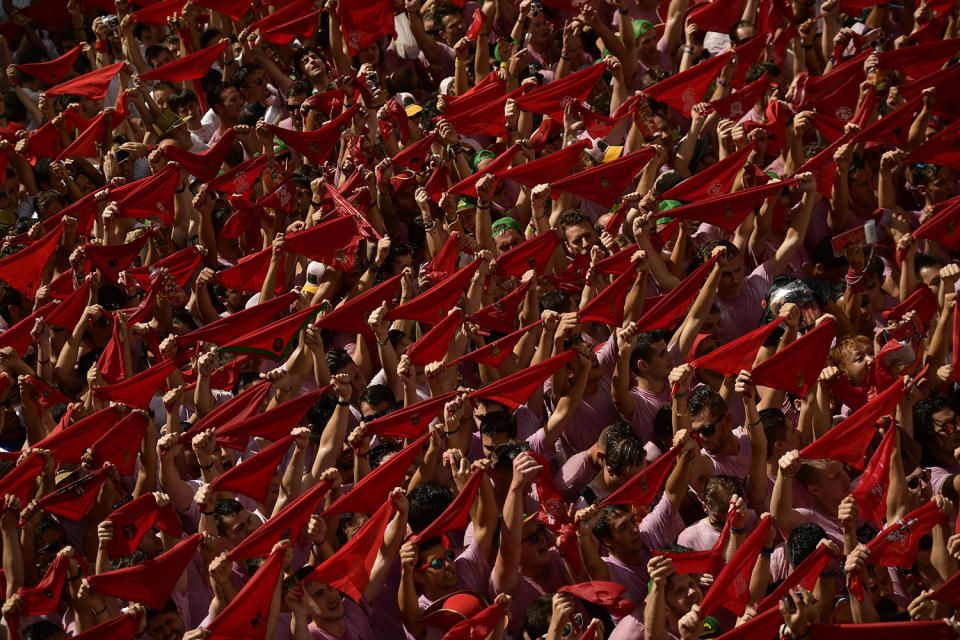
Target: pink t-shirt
[
  {"x": 737, "y": 465},
  {"x": 741, "y": 316},
  {"x": 358, "y": 625}
]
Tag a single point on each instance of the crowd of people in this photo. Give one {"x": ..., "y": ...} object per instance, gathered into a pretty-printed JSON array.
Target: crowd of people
[{"x": 536, "y": 319}]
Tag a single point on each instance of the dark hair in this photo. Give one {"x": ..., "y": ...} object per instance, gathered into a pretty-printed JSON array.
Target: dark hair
[
  {"x": 602, "y": 529},
  {"x": 922, "y": 173},
  {"x": 573, "y": 218},
  {"x": 215, "y": 95},
  {"x": 169, "y": 607},
  {"x": 558, "y": 301},
  {"x": 225, "y": 508},
  {"x": 299, "y": 87},
  {"x": 41, "y": 630},
  {"x": 802, "y": 541},
  {"x": 706, "y": 250},
  {"x": 9, "y": 296},
  {"x": 774, "y": 427},
  {"x": 758, "y": 69},
  {"x": 624, "y": 453},
  {"x": 497, "y": 422},
  {"x": 505, "y": 453},
  {"x": 377, "y": 394},
  {"x": 132, "y": 560},
  {"x": 718, "y": 489},
  {"x": 153, "y": 51},
  {"x": 337, "y": 360},
  {"x": 427, "y": 501},
  {"x": 251, "y": 113},
  {"x": 536, "y": 622},
  {"x": 706, "y": 398},
  {"x": 182, "y": 97},
  {"x": 382, "y": 450},
  {"x": 924, "y": 260},
  {"x": 923, "y": 420}
]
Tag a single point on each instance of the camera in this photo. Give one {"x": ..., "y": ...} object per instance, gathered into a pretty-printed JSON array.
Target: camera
[{"x": 111, "y": 22}]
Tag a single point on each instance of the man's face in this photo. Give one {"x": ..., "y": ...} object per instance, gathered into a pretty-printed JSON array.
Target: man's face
[
  {"x": 293, "y": 106},
  {"x": 660, "y": 362},
  {"x": 166, "y": 626},
  {"x": 872, "y": 290},
  {"x": 712, "y": 428},
  {"x": 326, "y": 603},
  {"x": 163, "y": 57},
  {"x": 490, "y": 442},
  {"x": 162, "y": 97},
  {"x": 580, "y": 238},
  {"x": 255, "y": 87},
  {"x": 682, "y": 593},
  {"x": 231, "y": 103},
  {"x": 731, "y": 279},
  {"x": 435, "y": 569},
  {"x": 833, "y": 483},
  {"x": 941, "y": 187},
  {"x": 945, "y": 426},
  {"x": 918, "y": 487},
  {"x": 507, "y": 240},
  {"x": 535, "y": 545},
  {"x": 191, "y": 110},
  {"x": 647, "y": 45},
  {"x": 624, "y": 533},
  {"x": 368, "y": 410},
  {"x": 861, "y": 188},
  {"x": 356, "y": 380},
  {"x": 452, "y": 28},
  {"x": 237, "y": 527},
  {"x": 315, "y": 68},
  {"x": 931, "y": 277},
  {"x": 369, "y": 54}
]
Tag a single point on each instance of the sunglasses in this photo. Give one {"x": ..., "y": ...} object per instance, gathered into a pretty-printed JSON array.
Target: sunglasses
[
  {"x": 541, "y": 532},
  {"x": 949, "y": 427},
  {"x": 575, "y": 626},
  {"x": 437, "y": 563},
  {"x": 707, "y": 430},
  {"x": 924, "y": 477}
]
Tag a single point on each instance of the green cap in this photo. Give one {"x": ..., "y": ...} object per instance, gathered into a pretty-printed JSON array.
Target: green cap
[
  {"x": 711, "y": 628},
  {"x": 640, "y": 27},
  {"x": 466, "y": 202},
  {"x": 479, "y": 156},
  {"x": 503, "y": 224},
  {"x": 666, "y": 205}
]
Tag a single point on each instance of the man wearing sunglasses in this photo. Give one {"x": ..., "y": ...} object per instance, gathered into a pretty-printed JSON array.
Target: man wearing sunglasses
[
  {"x": 937, "y": 429},
  {"x": 706, "y": 413}
]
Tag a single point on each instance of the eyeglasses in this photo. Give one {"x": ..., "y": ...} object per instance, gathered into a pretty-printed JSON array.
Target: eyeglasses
[
  {"x": 948, "y": 427},
  {"x": 572, "y": 628},
  {"x": 924, "y": 477},
  {"x": 541, "y": 532},
  {"x": 707, "y": 429},
  {"x": 437, "y": 563}
]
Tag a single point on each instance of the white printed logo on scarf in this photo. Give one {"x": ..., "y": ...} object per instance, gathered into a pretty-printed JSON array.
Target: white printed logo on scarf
[
  {"x": 844, "y": 113},
  {"x": 736, "y": 109},
  {"x": 689, "y": 98}
]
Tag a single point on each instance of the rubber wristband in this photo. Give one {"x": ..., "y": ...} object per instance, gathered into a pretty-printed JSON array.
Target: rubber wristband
[{"x": 343, "y": 404}]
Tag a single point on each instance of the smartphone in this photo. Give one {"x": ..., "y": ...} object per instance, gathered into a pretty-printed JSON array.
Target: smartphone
[
  {"x": 865, "y": 235},
  {"x": 122, "y": 156}
]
